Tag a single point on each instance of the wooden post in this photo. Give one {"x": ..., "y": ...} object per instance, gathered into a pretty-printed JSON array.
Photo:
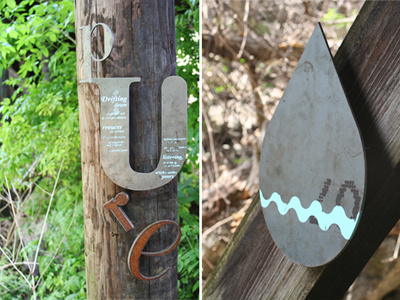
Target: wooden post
[
  {"x": 368, "y": 65},
  {"x": 144, "y": 46}
]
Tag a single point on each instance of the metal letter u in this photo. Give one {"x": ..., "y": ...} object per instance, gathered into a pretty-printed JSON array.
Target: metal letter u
[{"x": 114, "y": 131}]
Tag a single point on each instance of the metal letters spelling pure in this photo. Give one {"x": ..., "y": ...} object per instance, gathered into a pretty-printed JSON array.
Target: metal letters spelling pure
[{"x": 114, "y": 142}]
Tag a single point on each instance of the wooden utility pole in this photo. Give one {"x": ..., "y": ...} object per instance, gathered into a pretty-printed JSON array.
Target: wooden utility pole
[
  {"x": 368, "y": 65},
  {"x": 144, "y": 46}
]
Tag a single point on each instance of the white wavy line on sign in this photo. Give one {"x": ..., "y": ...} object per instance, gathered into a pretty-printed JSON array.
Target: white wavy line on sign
[{"x": 325, "y": 220}]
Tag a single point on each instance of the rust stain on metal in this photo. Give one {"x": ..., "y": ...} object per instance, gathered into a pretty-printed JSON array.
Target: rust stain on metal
[
  {"x": 325, "y": 190},
  {"x": 114, "y": 205},
  {"x": 349, "y": 184},
  {"x": 140, "y": 242},
  {"x": 313, "y": 220},
  {"x": 321, "y": 196}
]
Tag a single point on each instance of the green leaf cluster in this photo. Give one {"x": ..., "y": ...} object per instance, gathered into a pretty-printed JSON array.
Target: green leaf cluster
[
  {"x": 39, "y": 123},
  {"x": 39, "y": 131},
  {"x": 187, "y": 22},
  {"x": 337, "y": 19}
]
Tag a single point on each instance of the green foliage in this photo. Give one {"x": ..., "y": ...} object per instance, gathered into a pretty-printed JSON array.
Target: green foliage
[
  {"x": 188, "y": 262},
  {"x": 187, "y": 40},
  {"x": 40, "y": 125},
  {"x": 12, "y": 285},
  {"x": 40, "y": 130},
  {"x": 337, "y": 19}
]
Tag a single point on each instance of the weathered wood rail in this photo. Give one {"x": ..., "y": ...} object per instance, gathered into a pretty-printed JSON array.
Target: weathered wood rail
[{"x": 368, "y": 63}]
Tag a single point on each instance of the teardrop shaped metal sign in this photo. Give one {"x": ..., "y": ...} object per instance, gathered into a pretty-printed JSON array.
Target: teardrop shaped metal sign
[{"x": 312, "y": 166}]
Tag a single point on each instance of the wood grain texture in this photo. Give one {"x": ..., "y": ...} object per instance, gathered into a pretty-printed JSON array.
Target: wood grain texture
[
  {"x": 368, "y": 63},
  {"x": 144, "y": 46}
]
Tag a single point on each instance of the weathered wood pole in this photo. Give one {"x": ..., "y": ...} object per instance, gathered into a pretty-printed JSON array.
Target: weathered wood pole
[
  {"x": 368, "y": 64},
  {"x": 144, "y": 46}
]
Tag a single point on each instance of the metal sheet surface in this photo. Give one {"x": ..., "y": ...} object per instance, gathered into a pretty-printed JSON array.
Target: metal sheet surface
[
  {"x": 312, "y": 167},
  {"x": 114, "y": 131}
]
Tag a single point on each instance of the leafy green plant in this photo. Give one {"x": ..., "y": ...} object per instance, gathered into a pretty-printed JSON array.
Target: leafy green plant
[
  {"x": 188, "y": 262},
  {"x": 187, "y": 40},
  {"x": 39, "y": 130},
  {"x": 337, "y": 19}
]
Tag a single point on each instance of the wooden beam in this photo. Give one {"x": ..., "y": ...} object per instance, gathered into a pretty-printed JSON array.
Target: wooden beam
[
  {"x": 256, "y": 49},
  {"x": 144, "y": 46},
  {"x": 368, "y": 63}
]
